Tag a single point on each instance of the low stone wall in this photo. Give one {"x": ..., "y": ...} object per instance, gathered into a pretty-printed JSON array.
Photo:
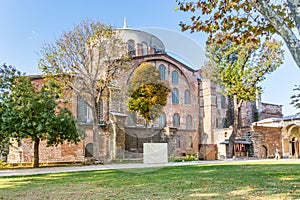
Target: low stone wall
[{"x": 22, "y": 152}]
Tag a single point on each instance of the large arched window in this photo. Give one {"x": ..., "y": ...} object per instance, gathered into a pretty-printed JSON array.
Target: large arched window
[
  {"x": 223, "y": 102},
  {"x": 176, "y": 120},
  {"x": 131, "y": 47},
  {"x": 84, "y": 112},
  {"x": 187, "y": 97},
  {"x": 162, "y": 71},
  {"x": 174, "y": 77},
  {"x": 175, "y": 96},
  {"x": 189, "y": 122},
  {"x": 162, "y": 120}
]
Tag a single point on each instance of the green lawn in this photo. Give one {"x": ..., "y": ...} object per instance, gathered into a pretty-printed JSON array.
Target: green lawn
[{"x": 256, "y": 180}]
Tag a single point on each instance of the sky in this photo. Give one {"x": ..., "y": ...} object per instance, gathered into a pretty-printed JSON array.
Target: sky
[{"x": 26, "y": 25}]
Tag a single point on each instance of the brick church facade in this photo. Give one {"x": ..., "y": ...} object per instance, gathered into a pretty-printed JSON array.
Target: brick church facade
[{"x": 196, "y": 119}]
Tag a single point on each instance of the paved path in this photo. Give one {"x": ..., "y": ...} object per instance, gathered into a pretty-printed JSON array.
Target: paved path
[{"x": 32, "y": 171}]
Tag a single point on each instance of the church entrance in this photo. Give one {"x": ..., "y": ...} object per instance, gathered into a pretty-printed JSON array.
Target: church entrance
[{"x": 295, "y": 147}]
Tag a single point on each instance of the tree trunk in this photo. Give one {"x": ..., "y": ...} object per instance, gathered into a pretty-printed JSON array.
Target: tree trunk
[
  {"x": 96, "y": 150},
  {"x": 36, "y": 153},
  {"x": 281, "y": 27},
  {"x": 237, "y": 107}
]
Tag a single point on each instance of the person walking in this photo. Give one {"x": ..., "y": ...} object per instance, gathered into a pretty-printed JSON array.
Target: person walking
[{"x": 277, "y": 155}]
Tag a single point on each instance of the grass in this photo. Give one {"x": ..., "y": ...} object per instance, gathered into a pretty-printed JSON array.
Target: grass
[{"x": 244, "y": 180}]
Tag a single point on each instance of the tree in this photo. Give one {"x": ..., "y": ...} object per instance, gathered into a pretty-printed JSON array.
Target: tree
[
  {"x": 238, "y": 69},
  {"x": 32, "y": 111},
  {"x": 148, "y": 94},
  {"x": 296, "y": 98},
  {"x": 87, "y": 60},
  {"x": 244, "y": 19}
]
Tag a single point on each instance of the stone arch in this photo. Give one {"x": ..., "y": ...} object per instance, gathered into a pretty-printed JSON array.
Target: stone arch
[
  {"x": 290, "y": 148},
  {"x": 264, "y": 151},
  {"x": 88, "y": 150},
  {"x": 294, "y": 147}
]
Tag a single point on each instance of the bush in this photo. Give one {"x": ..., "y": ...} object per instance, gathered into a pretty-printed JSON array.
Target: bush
[{"x": 188, "y": 157}]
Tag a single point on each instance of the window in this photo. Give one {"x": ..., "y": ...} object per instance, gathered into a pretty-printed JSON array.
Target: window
[
  {"x": 191, "y": 141},
  {"x": 217, "y": 123},
  {"x": 175, "y": 77},
  {"x": 178, "y": 142},
  {"x": 131, "y": 120},
  {"x": 189, "y": 122},
  {"x": 162, "y": 71},
  {"x": 224, "y": 123},
  {"x": 144, "y": 48},
  {"x": 187, "y": 97},
  {"x": 223, "y": 102},
  {"x": 175, "y": 99},
  {"x": 176, "y": 120},
  {"x": 162, "y": 120},
  {"x": 131, "y": 47},
  {"x": 84, "y": 112}
]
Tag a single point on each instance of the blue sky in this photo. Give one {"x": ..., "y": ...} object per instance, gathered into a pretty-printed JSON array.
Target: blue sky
[{"x": 27, "y": 24}]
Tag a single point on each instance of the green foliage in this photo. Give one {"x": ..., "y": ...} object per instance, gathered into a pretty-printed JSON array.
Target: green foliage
[
  {"x": 232, "y": 180},
  {"x": 86, "y": 59},
  {"x": 246, "y": 21},
  {"x": 33, "y": 111},
  {"x": 239, "y": 19},
  {"x": 148, "y": 94},
  {"x": 188, "y": 157},
  {"x": 296, "y": 98},
  {"x": 239, "y": 68}
]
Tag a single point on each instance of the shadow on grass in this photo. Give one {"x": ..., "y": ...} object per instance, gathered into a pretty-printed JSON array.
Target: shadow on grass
[{"x": 218, "y": 181}]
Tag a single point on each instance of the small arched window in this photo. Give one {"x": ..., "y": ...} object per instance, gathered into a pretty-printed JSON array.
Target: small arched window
[
  {"x": 175, "y": 96},
  {"x": 223, "y": 102},
  {"x": 191, "y": 142},
  {"x": 189, "y": 122},
  {"x": 176, "y": 120},
  {"x": 174, "y": 77},
  {"x": 178, "y": 142},
  {"x": 131, "y": 47},
  {"x": 162, "y": 120},
  {"x": 144, "y": 48},
  {"x": 162, "y": 71},
  {"x": 187, "y": 97}
]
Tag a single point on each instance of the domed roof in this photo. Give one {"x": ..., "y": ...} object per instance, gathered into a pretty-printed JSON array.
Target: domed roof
[
  {"x": 141, "y": 37},
  {"x": 181, "y": 47}
]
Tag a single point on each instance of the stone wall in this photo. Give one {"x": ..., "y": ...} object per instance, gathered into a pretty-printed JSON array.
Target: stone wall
[
  {"x": 271, "y": 111},
  {"x": 266, "y": 138},
  {"x": 23, "y": 152}
]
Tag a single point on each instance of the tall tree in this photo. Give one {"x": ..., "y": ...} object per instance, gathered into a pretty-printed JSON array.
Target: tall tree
[
  {"x": 241, "y": 19},
  {"x": 239, "y": 69},
  {"x": 147, "y": 93},
  {"x": 30, "y": 111},
  {"x": 296, "y": 98},
  {"x": 87, "y": 60}
]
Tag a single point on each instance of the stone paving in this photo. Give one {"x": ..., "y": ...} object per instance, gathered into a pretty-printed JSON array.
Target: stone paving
[{"x": 47, "y": 170}]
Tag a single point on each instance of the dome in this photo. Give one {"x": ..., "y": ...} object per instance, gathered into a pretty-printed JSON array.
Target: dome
[
  {"x": 141, "y": 41},
  {"x": 180, "y": 47}
]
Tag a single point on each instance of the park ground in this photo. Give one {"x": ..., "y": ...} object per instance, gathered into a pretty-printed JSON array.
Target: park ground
[{"x": 260, "y": 179}]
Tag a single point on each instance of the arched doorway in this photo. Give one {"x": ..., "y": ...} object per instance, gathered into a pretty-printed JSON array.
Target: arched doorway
[
  {"x": 264, "y": 152},
  {"x": 295, "y": 147}
]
